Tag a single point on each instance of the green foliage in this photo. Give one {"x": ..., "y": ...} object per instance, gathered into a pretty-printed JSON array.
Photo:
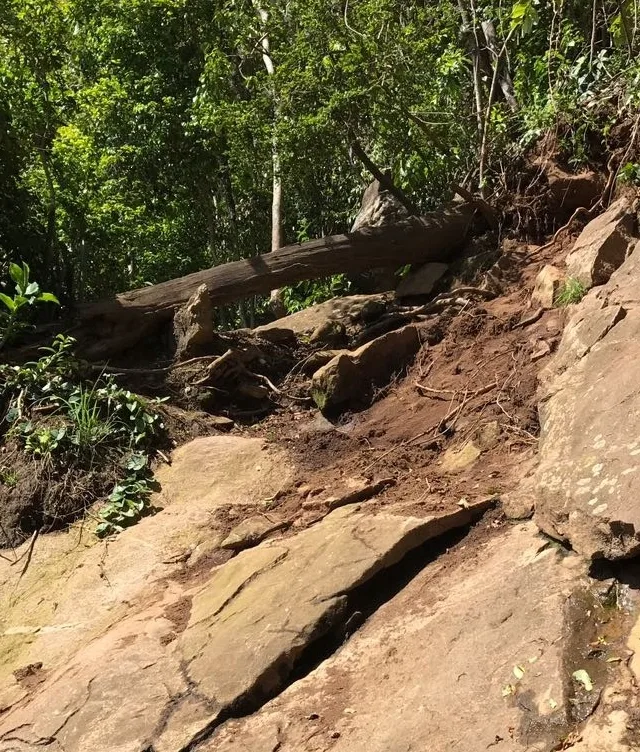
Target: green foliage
[
  {"x": 129, "y": 500},
  {"x": 27, "y": 293},
  {"x": 630, "y": 173},
  {"x": 572, "y": 291},
  {"x": 9, "y": 477},
  {"x": 138, "y": 137},
  {"x": 67, "y": 422},
  {"x": 41, "y": 441},
  {"x": 305, "y": 294}
]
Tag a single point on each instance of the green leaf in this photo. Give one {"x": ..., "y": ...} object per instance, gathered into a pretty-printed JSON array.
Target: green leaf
[
  {"x": 17, "y": 274},
  {"x": 48, "y": 297},
  {"x": 136, "y": 462},
  {"x": 9, "y": 302},
  {"x": 33, "y": 288}
]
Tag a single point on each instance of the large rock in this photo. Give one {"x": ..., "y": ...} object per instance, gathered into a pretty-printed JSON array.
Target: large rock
[
  {"x": 572, "y": 191},
  {"x": 350, "y": 375},
  {"x": 421, "y": 281},
  {"x": 77, "y": 588},
  {"x": 547, "y": 286},
  {"x": 589, "y": 324},
  {"x": 603, "y": 245},
  {"x": 469, "y": 656},
  {"x": 193, "y": 326},
  {"x": 589, "y": 474},
  {"x": 303, "y": 323},
  {"x": 142, "y": 685},
  {"x": 588, "y": 477},
  {"x": 379, "y": 208}
]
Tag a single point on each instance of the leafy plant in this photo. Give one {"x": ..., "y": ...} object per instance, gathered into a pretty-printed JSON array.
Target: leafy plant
[
  {"x": 42, "y": 441},
  {"x": 630, "y": 173},
  {"x": 92, "y": 424},
  {"x": 572, "y": 291},
  {"x": 26, "y": 294},
  {"x": 9, "y": 477},
  {"x": 129, "y": 500},
  {"x": 61, "y": 419}
]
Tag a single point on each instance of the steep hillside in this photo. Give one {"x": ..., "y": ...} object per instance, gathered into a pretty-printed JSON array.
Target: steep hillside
[{"x": 412, "y": 525}]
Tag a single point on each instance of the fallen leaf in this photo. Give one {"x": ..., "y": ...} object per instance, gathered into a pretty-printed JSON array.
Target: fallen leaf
[
  {"x": 614, "y": 659},
  {"x": 508, "y": 690},
  {"x": 552, "y": 703},
  {"x": 518, "y": 672},
  {"x": 583, "y": 678}
]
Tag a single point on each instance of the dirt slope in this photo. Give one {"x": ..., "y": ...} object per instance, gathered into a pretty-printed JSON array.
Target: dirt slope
[{"x": 360, "y": 583}]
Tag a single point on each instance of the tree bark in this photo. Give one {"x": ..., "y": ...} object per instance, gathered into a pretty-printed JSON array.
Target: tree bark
[
  {"x": 277, "y": 304},
  {"x": 129, "y": 316}
]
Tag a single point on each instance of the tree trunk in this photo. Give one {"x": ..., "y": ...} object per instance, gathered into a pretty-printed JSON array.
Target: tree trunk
[
  {"x": 277, "y": 304},
  {"x": 131, "y": 315}
]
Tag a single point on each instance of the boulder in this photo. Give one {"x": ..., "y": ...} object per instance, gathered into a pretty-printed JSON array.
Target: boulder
[
  {"x": 573, "y": 191},
  {"x": 546, "y": 287},
  {"x": 485, "y": 437},
  {"x": 603, "y": 245},
  {"x": 589, "y": 324},
  {"x": 193, "y": 326},
  {"x": 421, "y": 281},
  {"x": 379, "y": 208},
  {"x": 303, "y": 323},
  {"x": 433, "y": 669},
  {"x": 349, "y": 376},
  {"x": 456, "y": 459},
  {"x": 188, "y": 657},
  {"x": 329, "y": 334},
  {"x": 588, "y": 479},
  {"x": 517, "y": 506}
]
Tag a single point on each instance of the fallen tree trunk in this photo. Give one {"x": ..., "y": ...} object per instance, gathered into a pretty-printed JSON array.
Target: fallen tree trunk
[{"x": 433, "y": 237}]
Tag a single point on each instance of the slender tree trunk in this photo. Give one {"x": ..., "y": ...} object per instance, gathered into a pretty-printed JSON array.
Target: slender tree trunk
[
  {"x": 277, "y": 303},
  {"x": 51, "y": 266},
  {"x": 500, "y": 65},
  {"x": 468, "y": 28}
]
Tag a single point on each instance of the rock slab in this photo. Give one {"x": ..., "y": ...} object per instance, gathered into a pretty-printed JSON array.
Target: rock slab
[
  {"x": 547, "y": 286},
  {"x": 433, "y": 669},
  {"x": 193, "y": 325},
  {"x": 197, "y": 651},
  {"x": 350, "y": 375},
  {"x": 603, "y": 245},
  {"x": 421, "y": 281}
]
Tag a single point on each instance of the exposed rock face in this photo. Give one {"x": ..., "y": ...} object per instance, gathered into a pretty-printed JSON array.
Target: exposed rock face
[
  {"x": 421, "y": 281},
  {"x": 410, "y": 679},
  {"x": 572, "y": 191},
  {"x": 329, "y": 334},
  {"x": 379, "y": 207},
  {"x": 546, "y": 287},
  {"x": 80, "y": 598},
  {"x": 603, "y": 245},
  {"x": 193, "y": 326},
  {"x": 350, "y": 375},
  {"x": 589, "y": 474},
  {"x": 242, "y": 632}
]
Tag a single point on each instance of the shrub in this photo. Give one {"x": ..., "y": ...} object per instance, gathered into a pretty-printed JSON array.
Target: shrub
[{"x": 27, "y": 294}]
